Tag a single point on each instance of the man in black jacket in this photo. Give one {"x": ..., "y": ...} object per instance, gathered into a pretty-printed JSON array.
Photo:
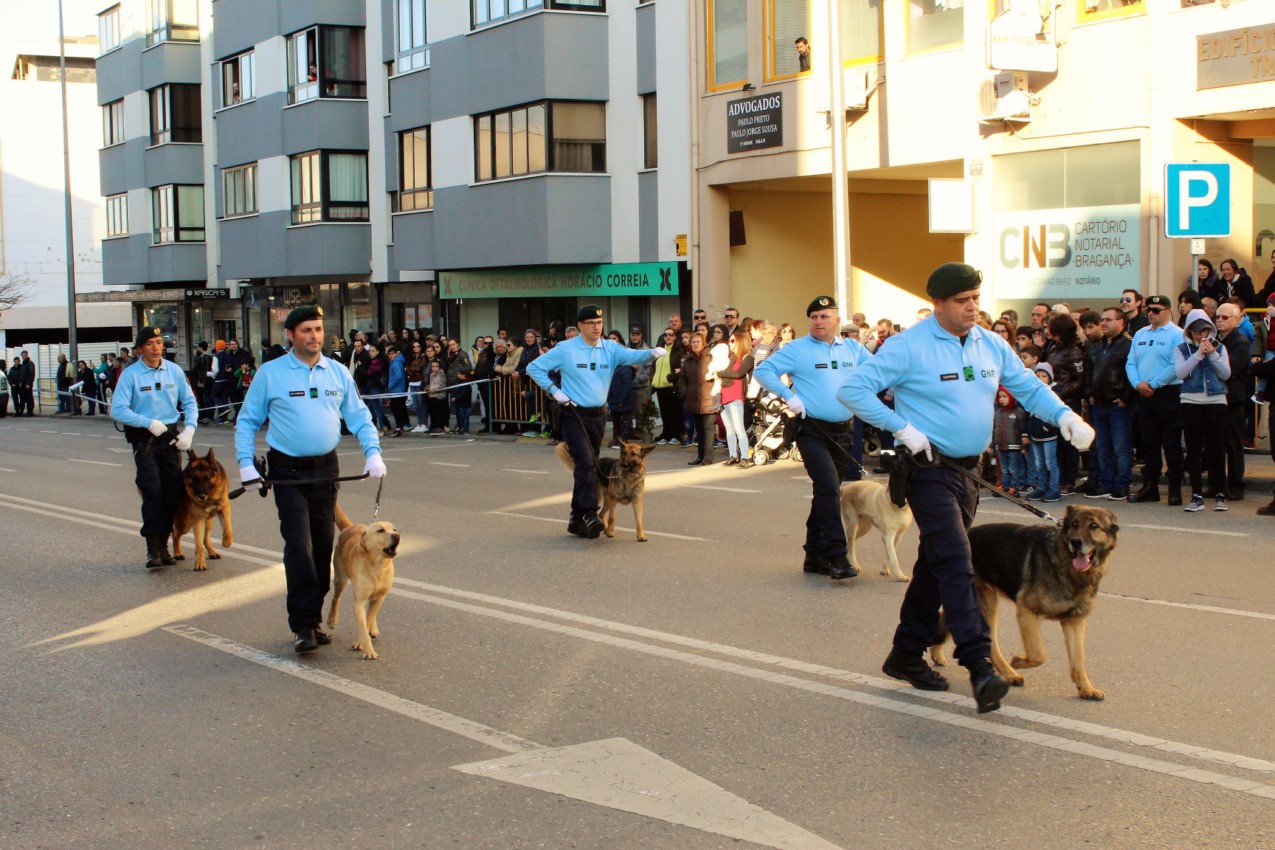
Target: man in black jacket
[
  {"x": 1237, "y": 351},
  {"x": 25, "y": 386},
  {"x": 1111, "y": 400}
]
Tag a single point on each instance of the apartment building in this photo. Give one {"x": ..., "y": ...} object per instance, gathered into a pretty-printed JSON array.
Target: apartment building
[
  {"x": 405, "y": 163},
  {"x": 1029, "y": 139}
]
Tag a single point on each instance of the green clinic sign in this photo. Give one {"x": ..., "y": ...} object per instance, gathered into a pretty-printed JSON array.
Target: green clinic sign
[{"x": 614, "y": 279}]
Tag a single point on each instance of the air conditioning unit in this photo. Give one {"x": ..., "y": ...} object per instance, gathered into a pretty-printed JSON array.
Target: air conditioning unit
[
  {"x": 856, "y": 90},
  {"x": 1005, "y": 98}
]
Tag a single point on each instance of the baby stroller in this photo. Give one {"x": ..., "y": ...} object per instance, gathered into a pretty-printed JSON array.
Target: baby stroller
[{"x": 767, "y": 431}]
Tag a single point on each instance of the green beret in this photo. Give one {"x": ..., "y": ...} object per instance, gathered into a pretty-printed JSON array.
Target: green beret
[
  {"x": 302, "y": 314},
  {"x": 823, "y": 302},
  {"x": 146, "y": 334},
  {"x": 588, "y": 313},
  {"x": 952, "y": 278}
]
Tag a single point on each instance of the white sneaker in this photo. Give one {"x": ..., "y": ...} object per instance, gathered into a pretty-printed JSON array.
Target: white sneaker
[{"x": 531, "y": 433}]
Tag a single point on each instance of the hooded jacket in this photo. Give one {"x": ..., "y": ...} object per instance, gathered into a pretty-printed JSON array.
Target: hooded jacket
[
  {"x": 1203, "y": 378},
  {"x": 1039, "y": 430},
  {"x": 1009, "y": 424}
]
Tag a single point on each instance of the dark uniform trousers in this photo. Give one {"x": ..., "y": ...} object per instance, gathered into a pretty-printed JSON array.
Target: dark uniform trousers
[
  {"x": 159, "y": 479},
  {"x": 582, "y": 430},
  {"x": 307, "y": 523},
  {"x": 943, "y": 502},
  {"x": 1160, "y": 426},
  {"x": 1235, "y": 413},
  {"x": 825, "y": 452}
]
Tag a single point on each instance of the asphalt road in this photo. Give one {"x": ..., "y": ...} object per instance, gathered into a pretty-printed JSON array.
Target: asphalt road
[{"x": 540, "y": 691}]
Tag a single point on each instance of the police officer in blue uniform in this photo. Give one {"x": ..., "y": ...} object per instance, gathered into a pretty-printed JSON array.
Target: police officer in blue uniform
[
  {"x": 305, "y": 396},
  {"x": 819, "y": 364},
  {"x": 152, "y": 398},
  {"x": 1159, "y": 413},
  {"x": 586, "y": 363},
  {"x": 945, "y": 371}
]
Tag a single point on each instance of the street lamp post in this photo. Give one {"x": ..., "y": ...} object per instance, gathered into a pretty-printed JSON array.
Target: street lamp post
[{"x": 70, "y": 230}]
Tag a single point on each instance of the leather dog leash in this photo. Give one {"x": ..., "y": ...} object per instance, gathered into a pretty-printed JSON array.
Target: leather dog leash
[{"x": 968, "y": 473}]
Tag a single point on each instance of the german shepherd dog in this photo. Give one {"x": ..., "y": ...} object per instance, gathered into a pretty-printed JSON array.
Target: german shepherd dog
[
  {"x": 1048, "y": 573},
  {"x": 621, "y": 481},
  {"x": 865, "y": 504},
  {"x": 364, "y": 558},
  {"x": 206, "y": 495}
]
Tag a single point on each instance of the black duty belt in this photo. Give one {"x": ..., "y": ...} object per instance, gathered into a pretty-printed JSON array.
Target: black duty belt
[
  {"x": 592, "y": 411},
  {"x": 963, "y": 462},
  {"x": 279, "y": 460},
  {"x": 831, "y": 426}
]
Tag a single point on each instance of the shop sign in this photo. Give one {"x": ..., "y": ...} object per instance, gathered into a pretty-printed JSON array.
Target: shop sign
[
  {"x": 216, "y": 294},
  {"x": 755, "y": 122},
  {"x": 1073, "y": 254},
  {"x": 131, "y": 296},
  {"x": 604, "y": 281},
  {"x": 1017, "y": 41},
  {"x": 1235, "y": 57}
]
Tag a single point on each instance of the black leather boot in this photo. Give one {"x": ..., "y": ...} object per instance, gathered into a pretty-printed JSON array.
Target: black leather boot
[
  {"x": 989, "y": 688},
  {"x": 154, "y": 546},
  {"x": 1175, "y": 495},
  {"x": 575, "y": 525},
  {"x": 913, "y": 670},
  {"x": 1150, "y": 492},
  {"x": 592, "y": 526}
]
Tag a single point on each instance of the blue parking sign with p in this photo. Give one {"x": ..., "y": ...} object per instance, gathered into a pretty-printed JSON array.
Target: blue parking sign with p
[{"x": 1197, "y": 199}]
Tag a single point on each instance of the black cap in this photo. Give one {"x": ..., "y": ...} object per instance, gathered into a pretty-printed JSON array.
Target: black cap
[
  {"x": 588, "y": 313},
  {"x": 823, "y": 302},
  {"x": 951, "y": 278},
  {"x": 1159, "y": 301},
  {"x": 302, "y": 314},
  {"x": 146, "y": 334}
]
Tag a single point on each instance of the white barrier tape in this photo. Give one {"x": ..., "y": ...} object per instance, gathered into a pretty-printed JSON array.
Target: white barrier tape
[{"x": 426, "y": 392}]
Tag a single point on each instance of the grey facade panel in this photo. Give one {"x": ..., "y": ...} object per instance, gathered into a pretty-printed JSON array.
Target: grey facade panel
[
  {"x": 413, "y": 247},
  {"x": 646, "y": 45},
  {"x": 251, "y": 131},
  {"x": 240, "y": 24},
  {"x": 174, "y": 163},
  {"x": 388, "y": 26},
  {"x": 649, "y": 217},
  {"x": 325, "y": 123},
  {"x": 176, "y": 262},
  {"x": 170, "y": 62},
  {"x": 410, "y": 101},
  {"x": 122, "y": 167},
  {"x": 340, "y": 251},
  {"x": 124, "y": 260},
  {"x": 120, "y": 71},
  {"x": 391, "y": 161},
  {"x": 296, "y": 15},
  {"x": 253, "y": 246},
  {"x": 540, "y": 56},
  {"x": 559, "y": 219}
]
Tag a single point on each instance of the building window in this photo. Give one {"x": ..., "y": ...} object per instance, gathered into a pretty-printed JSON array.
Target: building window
[
  {"x": 555, "y": 136},
  {"x": 178, "y": 214},
  {"x": 326, "y": 62},
  {"x": 239, "y": 189},
  {"x": 490, "y": 11},
  {"x": 238, "y": 79},
  {"x": 860, "y": 31},
  {"x": 933, "y": 24},
  {"x": 329, "y": 186},
  {"x": 650, "y": 134},
  {"x": 113, "y": 123},
  {"x": 415, "y": 171},
  {"x": 1098, "y": 10},
  {"x": 175, "y": 114},
  {"x": 116, "y": 216},
  {"x": 786, "y": 23},
  {"x": 728, "y": 43},
  {"x": 108, "y": 29},
  {"x": 171, "y": 20},
  {"x": 413, "y": 49}
]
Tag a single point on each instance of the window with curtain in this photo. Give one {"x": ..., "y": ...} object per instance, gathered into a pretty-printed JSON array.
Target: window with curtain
[
  {"x": 728, "y": 28},
  {"x": 239, "y": 190},
  {"x": 860, "y": 31},
  {"x": 415, "y": 171},
  {"x": 307, "y": 189},
  {"x": 935, "y": 23},
  {"x": 113, "y": 123},
  {"x": 413, "y": 49},
  {"x": 326, "y": 62},
  {"x": 787, "y": 21},
  {"x": 238, "y": 79},
  {"x": 329, "y": 186},
  {"x": 560, "y": 136},
  {"x": 177, "y": 214}
]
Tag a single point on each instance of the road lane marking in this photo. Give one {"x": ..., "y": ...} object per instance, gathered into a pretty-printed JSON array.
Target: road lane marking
[
  {"x": 94, "y": 462},
  {"x": 2, "y": 469},
  {"x": 528, "y": 471},
  {"x": 444, "y": 463},
  {"x": 1190, "y": 606},
  {"x": 617, "y": 528},
  {"x": 1188, "y": 529},
  {"x": 723, "y": 489}
]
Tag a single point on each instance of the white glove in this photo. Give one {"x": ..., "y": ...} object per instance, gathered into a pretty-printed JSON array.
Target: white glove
[
  {"x": 157, "y": 428},
  {"x": 561, "y": 397},
  {"x": 375, "y": 466},
  {"x": 1075, "y": 430},
  {"x": 184, "y": 439},
  {"x": 917, "y": 443},
  {"x": 658, "y": 352},
  {"x": 250, "y": 477},
  {"x": 796, "y": 406}
]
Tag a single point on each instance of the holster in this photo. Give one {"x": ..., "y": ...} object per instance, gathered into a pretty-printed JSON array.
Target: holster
[{"x": 900, "y": 465}]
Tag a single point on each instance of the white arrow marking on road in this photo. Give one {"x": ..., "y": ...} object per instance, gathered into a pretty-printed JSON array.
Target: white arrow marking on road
[
  {"x": 615, "y": 773},
  {"x": 619, "y": 774}
]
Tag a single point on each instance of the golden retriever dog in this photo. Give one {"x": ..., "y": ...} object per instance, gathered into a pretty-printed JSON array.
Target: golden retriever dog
[
  {"x": 621, "y": 481},
  {"x": 363, "y": 557},
  {"x": 1048, "y": 573},
  {"x": 865, "y": 504},
  {"x": 206, "y": 494}
]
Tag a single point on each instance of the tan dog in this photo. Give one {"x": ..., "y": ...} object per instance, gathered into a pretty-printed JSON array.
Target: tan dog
[
  {"x": 621, "y": 481},
  {"x": 364, "y": 557},
  {"x": 865, "y": 504},
  {"x": 206, "y": 494}
]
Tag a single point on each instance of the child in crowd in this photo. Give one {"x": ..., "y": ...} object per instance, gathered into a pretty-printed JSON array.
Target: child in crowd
[
  {"x": 1030, "y": 354},
  {"x": 1009, "y": 438},
  {"x": 1042, "y": 460},
  {"x": 438, "y": 411},
  {"x": 1024, "y": 336}
]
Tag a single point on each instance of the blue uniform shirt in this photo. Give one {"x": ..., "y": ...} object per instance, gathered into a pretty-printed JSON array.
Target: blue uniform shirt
[
  {"x": 143, "y": 395},
  {"x": 305, "y": 406},
  {"x": 945, "y": 389},
  {"x": 1151, "y": 356},
  {"x": 586, "y": 370},
  {"x": 817, "y": 369}
]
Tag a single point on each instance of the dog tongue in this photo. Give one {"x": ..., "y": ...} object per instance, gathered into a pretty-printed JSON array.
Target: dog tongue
[{"x": 1081, "y": 561}]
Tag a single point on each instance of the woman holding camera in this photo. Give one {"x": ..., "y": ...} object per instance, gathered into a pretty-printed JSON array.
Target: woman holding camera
[{"x": 1203, "y": 368}]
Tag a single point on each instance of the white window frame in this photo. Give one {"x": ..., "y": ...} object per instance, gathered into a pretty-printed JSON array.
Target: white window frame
[
  {"x": 113, "y": 123},
  {"x": 239, "y": 190},
  {"x": 116, "y": 216},
  {"x": 420, "y": 195},
  {"x": 160, "y": 26},
  {"x": 412, "y": 44},
  {"x": 166, "y": 226},
  {"x": 241, "y": 69},
  {"x": 108, "y": 29},
  {"x": 301, "y": 87}
]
